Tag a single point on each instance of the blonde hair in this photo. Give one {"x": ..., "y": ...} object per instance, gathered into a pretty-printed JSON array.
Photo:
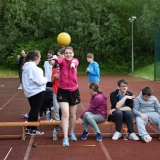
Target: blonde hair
[{"x": 90, "y": 55}]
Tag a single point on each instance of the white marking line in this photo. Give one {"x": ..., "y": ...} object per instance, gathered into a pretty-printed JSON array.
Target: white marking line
[
  {"x": 101, "y": 143},
  {"x": 29, "y": 148},
  {"x": 8, "y": 153},
  {"x": 105, "y": 151},
  {"x": 152, "y": 128},
  {"x": 9, "y": 100}
]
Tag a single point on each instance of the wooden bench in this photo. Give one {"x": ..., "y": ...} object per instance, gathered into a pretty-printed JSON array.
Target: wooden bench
[
  {"x": 54, "y": 123},
  {"x": 17, "y": 124}
]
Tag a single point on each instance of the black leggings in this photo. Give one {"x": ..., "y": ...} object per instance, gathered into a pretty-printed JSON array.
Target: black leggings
[
  {"x": 35, "y": 104},
  {"x": 46, "y": 104}
]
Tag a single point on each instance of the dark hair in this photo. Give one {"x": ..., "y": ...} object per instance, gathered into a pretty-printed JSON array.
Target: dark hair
[
  {"x": 122, "y": 81},
  {"x": 147, "y": 91},
  {"x": 69, "y": 47},
  {"x": 32, "y": 55},
  {"x": 51, "y": 52},
  {"x": 61, "y": 51},
  {"x": 55, "y": 65},
  {"x": 95, "y": 87}
]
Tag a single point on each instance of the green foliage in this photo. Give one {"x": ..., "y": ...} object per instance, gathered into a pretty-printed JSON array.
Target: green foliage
[{"x": 99, "y": 27}]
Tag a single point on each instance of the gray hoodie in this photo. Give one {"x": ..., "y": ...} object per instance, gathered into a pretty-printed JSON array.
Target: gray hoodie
[
  {"x": 141, "y": 106},
  {"x": 33, "y": 81}
]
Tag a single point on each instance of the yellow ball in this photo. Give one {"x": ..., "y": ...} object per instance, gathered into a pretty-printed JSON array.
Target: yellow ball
[{"x": 63, "y": 39}]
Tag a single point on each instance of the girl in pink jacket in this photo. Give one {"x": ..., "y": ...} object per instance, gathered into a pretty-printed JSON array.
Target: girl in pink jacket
[{"x": 68, "y": 94}]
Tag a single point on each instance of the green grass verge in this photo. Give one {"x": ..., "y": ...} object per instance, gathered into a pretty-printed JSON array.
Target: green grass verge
[
  {"x": 146, "y": 72},
  {"x": 8, "y": 73}
]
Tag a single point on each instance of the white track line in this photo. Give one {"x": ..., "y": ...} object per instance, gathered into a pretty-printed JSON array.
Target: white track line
[
  {"x": 101, "y": 143},
  {"x": 8, "y": 153},
  {"x": 152, "y": 128},
  {"x": 9, "y": 100},
  {"x": 29, "y": 148}
]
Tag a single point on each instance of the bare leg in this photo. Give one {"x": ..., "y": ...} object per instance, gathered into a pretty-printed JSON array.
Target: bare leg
[
  {"x": 65, "y": 117},
  {"x": 72, "y": 117}
]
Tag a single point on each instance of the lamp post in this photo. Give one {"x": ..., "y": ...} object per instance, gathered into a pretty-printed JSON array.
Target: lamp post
[{"x": 131, "y": 20}]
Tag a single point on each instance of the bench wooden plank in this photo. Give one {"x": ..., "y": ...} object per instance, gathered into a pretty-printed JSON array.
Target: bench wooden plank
[{"x": 53, "y": 123}]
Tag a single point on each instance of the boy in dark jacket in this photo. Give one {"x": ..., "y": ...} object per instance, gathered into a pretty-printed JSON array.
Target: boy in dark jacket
[{"x": 121, "y": 109}]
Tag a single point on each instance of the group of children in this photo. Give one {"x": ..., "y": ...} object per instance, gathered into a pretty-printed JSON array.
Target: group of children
[{"x": 66, "y": 97}]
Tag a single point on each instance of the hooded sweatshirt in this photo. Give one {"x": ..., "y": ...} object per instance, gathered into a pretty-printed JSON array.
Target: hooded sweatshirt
[
  {"x": 68, "y": 76},
  {"x": 142, "y": 106},
  {"x": 98, "y": 105},
  {"x": 33, "y": 81},
  {"x": 93, "y": 72}
]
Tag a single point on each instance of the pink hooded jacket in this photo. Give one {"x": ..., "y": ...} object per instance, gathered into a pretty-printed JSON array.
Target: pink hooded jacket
[{"x": 68, "y": 75}]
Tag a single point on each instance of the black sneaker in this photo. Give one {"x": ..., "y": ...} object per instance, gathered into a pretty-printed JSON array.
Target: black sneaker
[
  {"x": 35, "y": 132},
  {"x": 28, "y": 131}
]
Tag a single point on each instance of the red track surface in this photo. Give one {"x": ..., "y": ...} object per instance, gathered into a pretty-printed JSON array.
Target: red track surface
[{"x": 13, "y": 104}]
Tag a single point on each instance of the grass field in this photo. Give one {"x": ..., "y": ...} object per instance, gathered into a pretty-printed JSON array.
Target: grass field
[{"x": 146, "y": 73}]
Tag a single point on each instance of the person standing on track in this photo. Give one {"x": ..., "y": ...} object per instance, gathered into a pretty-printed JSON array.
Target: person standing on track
[
  {"x": 68, "y": 94},
  {"x": 146, "y": 108},
  {"x": 121, "y": 109},
  {"x": 34, "y": 84},
  {"x": 92, "y": 70},
  {"x": 55, "y": 81},
  {"x": 95, "y": 113},
  {"x": 20, "y": 61},
  {"x": 48, "y": 69}
]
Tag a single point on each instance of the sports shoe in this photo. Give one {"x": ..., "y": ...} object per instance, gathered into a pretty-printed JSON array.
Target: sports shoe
[
  {"x": 99, "y": 137},
  {"x": 147, "y": 138},
  {"x": 133, "y": 136},
  {"x": 65, "y": 142},
  {"x": 84, "y": 135},
  {"x": 73, "y": 137},
  {"x": 35, "y": 132},
  {"x": 27, "y": 131},
  {"x": 117, "y": 135},
  {"x": 20, "y": 87}
]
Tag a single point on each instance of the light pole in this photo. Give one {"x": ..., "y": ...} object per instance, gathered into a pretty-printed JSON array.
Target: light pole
[{"x": 131, "y": 20}]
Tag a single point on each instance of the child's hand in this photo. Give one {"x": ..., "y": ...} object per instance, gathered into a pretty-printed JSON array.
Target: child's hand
[
  {"x": 54, "y": 57},
  {"x": 144, "y": 117},
  {"x": 73, "y": 66},
  {"x": 131, "y": 97},
  {"x": 80, "y": 121},
  {"x": 87, "y": 69},
  {"x": 111, "y": 111}
]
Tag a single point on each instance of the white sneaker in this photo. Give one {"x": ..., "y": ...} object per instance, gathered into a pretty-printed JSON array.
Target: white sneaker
[
  {"x": 133, "y": 136},
  {"x": 147, "y": 138},
  {"x": 20, "y": 87},
  {"x": 117, "y": 135}
]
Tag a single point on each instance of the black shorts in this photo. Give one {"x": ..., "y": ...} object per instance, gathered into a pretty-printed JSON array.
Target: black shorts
[{"x": 72, "y": 97}]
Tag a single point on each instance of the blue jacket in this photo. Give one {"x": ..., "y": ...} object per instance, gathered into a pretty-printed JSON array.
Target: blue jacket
[{"x": 93, "y": 72}]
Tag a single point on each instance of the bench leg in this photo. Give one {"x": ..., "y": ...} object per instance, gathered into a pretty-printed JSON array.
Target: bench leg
[
  {"x": 23, "y": 133},
  {"x": 111, "y": 129}
]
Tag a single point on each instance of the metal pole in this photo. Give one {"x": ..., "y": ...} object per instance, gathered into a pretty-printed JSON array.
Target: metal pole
[{"x": 132, "y": 49}]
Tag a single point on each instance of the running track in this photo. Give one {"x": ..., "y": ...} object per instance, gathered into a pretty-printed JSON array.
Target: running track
[{"x": 13, "y": 104}]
